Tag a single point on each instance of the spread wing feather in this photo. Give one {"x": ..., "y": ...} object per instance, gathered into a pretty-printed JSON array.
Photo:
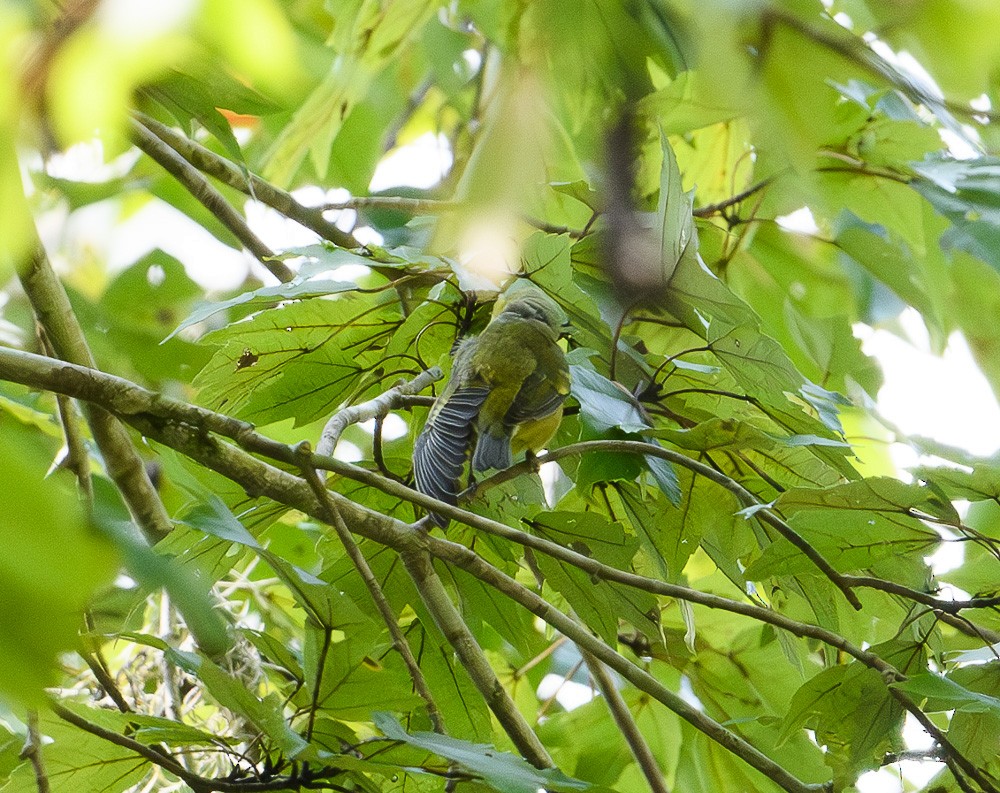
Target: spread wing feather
[{"x": 440, "y": 450}]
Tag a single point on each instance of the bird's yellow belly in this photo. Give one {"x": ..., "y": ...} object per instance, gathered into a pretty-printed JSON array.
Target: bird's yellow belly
[{"x": 535, "y": 434}]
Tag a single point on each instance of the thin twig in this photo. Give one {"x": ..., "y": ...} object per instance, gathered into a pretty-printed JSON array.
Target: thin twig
[
  {"x": 418, "y": 206},
  {"x": 199, "y": 187},
  {"x": 77, "y": 458},
  {"x": 415, "y": 206},
  {"x": 373, "y": 408},
  {"x": 925, "y": 598},
  {"x": 99, "y": 669},
  {"x": 527, "y": 666},
  {"x": 711, "y": 209},
  {"x": 626, "y": 724},
  {"x": 32, "y": 751},
  {"x": 543, "y": 709}
]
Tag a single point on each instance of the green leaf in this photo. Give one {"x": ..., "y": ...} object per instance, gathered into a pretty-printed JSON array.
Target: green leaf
[
  {"x": 293, "y": 361},
  {"x": 600, "y": 604},
  {"x": 215, "y": 518},
  {"x": 463, "y": 710},
  {"x": 52, "y": 563},
  {"x": 153, "y": 730},
  {"x": 344, "y": 679},
  {"x": 366, "y": 39},
  {"x": 972, "y": 204},
  {"x": 188, "y": 99},
  {"x": 893, "y": 263},
  {"x": 975, "y": 733},
  {"x": 78, "y": 761},
  {"x": 297, "y": 289},
  {"x": 942, "y": 693},
  {"x": 155, "y": 570},
  {"x": 678, "y": 238},
  {"x": 878, "y": 494},
  {"x": 979, "y": 484},
  {"x": 504, "y": 772},
  {"x": 852, "y": 714},
  {"x": 483, "y": 603},
  {"x": 605, "y": 404}
]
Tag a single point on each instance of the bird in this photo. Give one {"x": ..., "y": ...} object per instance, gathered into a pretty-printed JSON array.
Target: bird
[{"x": 505, "y": 394}]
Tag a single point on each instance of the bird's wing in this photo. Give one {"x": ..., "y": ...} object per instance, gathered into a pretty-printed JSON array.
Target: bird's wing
[
  {"x": 542, "y": 392},
  {"x": 440, "y": 450},
  {"x": 539, "y": 397}
]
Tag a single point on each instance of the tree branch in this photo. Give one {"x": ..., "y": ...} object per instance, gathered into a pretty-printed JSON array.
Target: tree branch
[
  {"x": 626, "y": 724},
  {"x": 924, "y": 598},
  {"x": 209, "y": 197},
  {"x": 52, "y": 308},
  {"x": 218, "y": 167},
  {"x": 402, "y": 646},
  {"x": 373, "y": 408}
]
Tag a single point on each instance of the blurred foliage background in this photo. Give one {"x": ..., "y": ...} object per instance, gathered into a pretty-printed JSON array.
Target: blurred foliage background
[{"x": 267, "y": 212}]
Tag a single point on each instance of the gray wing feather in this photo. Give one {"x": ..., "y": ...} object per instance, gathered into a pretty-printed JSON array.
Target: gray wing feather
[{"x": 440, "y": 451}]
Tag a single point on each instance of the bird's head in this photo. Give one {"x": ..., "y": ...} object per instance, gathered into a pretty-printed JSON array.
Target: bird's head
[{"x": 523, "y": 300}]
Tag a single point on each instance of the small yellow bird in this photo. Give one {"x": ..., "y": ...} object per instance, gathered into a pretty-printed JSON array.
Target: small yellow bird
[{"x": 506, "y": 390}]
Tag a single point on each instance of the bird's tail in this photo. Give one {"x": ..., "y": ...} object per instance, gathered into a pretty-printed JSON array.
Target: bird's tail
[
  {"x": 440, "y": 451},
  {"x": 492, "y": 451}
]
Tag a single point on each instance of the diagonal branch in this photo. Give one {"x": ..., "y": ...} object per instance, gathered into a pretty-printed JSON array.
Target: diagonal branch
[
  {"x": 626, "y": 724},
  {"x": 402, "y": 646},
  {"x": 62, "y": 330},
  {"x": 425, "y": 578},
  {"x": 218, "y": 167},
  {"x": 209, "y": 197}
]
